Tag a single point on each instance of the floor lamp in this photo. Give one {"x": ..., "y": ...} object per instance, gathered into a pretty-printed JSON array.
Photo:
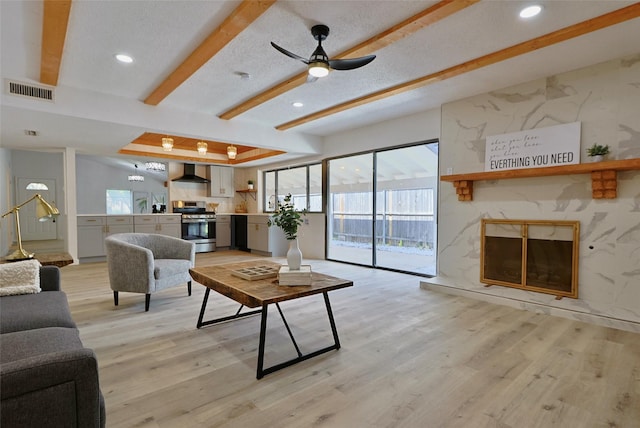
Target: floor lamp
[{"x": 44, "y": 212}]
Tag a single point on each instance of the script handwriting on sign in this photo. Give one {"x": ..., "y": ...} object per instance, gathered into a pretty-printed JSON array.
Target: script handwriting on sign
[{"x": 553, "y": 145}]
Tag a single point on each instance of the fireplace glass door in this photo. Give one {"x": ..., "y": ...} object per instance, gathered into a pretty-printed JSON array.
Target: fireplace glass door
[{"x": 537, "y": 255}]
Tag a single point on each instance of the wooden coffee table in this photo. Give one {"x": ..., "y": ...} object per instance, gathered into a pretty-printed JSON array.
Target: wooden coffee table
[{"x": 262, "y": 293}]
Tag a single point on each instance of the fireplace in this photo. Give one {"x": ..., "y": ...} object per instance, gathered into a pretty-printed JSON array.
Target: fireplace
[{"x": 534, "y": 255}]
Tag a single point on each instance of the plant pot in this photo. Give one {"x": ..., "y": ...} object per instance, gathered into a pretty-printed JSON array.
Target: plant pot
[
  {"x": 597, "y": 158},
  {"x": 294, "y": 255},
  {"x": 250, "y": 186}
]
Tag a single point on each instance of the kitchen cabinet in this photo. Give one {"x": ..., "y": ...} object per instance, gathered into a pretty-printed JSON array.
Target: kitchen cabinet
[
  {"x": 160, "y": 224},
  {"x": 93, "y": 229},
  {"x": 221, "y": 183},
  {"x": 91, "y": 232},
  {"x": 223, "y": 231},
  {"x": 263, "y": 239}
]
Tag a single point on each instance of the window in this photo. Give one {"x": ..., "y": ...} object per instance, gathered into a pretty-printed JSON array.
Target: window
[
  {"x": 119, "y": 202},
  {"x": 304, "y": 183}
]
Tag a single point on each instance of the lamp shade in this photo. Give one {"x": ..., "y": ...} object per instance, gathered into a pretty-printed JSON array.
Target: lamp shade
[
  {"x": 44, "y": 210},
  {"x": 232, "y": 152}
]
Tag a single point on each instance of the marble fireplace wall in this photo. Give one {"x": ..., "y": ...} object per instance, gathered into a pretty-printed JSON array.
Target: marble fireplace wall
[{"x": 605, "y": 98}]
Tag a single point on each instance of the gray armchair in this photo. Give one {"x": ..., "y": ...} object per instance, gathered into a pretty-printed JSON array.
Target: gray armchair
[{"x": 146, "y": 263}]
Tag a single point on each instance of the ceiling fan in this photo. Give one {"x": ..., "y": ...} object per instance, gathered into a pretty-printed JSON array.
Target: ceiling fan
[{"x": 319, "y": 62}]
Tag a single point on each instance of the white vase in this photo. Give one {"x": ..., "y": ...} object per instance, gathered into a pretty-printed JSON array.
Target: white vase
[
  {"x": 597, "y": 158},
  {"x": 294, "y": 255}
]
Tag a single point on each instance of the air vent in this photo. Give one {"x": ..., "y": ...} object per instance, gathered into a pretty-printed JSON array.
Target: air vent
[{"x": 29, "y": 90}]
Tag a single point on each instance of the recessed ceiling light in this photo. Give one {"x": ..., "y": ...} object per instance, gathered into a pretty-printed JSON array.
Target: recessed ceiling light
[
  {"x": 297, "y": 104},
  {"x": 124, "y": 58},
  {"x": 530, "y": 11}
]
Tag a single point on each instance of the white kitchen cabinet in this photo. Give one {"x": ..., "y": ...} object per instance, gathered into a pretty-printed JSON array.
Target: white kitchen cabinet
[
  {"x": 159, "y": 224},
  {"x": 119, "y": 224},
  {"x": 223, "y": 231},
  {"x": 264, "y": 239},
  {"x": 91, "y": 232},
  {"x": 93, "y": 229},
  {"x": 221, "y": 183}
]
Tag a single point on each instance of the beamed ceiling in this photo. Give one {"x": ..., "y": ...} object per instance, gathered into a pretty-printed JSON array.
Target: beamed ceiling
[{"x": 205, "y": 70}]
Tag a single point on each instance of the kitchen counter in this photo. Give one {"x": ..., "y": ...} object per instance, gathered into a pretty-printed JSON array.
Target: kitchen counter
[
  {"x": 137, "y": 214},
  {"x": 265, "y": 214}
]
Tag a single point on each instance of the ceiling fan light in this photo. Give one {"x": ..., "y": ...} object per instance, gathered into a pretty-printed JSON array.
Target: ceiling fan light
[
  {"x": 318, "y": 69},
  {"x": 232, "y": 152},
  {"x": 202, "y": 148},
  {"x": 167, "y": 144}
]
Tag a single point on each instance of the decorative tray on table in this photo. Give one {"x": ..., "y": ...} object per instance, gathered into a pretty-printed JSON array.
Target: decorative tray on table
[{"x": 254, "y": 273}]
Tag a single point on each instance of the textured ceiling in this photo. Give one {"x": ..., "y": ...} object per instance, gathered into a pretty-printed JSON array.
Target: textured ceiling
[{"x": 99, "y": 106}]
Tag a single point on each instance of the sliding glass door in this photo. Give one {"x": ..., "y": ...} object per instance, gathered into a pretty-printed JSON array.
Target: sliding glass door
[
  {"x": 350, "y": 216},
  {"x": 401, "y": 184}
]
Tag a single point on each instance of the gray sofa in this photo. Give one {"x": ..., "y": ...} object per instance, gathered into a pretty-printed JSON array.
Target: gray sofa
[{"x": 47, "y": 377}]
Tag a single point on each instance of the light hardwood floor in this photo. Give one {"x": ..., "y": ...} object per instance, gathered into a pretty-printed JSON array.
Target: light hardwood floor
[{"x": 410, "y": 358}]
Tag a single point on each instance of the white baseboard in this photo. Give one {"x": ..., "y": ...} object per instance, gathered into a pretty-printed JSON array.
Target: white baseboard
[{"x": 535, "y": 307}]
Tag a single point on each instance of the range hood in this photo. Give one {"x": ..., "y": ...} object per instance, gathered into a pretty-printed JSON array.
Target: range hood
[{"x": 190, "y": 176}]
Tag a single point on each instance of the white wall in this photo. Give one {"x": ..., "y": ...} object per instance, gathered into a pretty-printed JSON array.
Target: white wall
[
  {"x": 410, "y": 129},
  {"x": 605, "y": 98}
]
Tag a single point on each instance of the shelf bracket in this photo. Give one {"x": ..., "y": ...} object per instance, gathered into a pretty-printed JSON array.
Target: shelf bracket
[
  {"x": 464, "y": 190},
  {"x": 604, "y": 184}
]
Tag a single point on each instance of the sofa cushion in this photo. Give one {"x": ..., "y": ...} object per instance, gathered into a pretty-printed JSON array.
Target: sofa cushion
[
  {"x": 30, "y": 343},
  {"x": 165, "y": 268},
  {"x": 20, "y": 278},
  {"x": 31, "y": 311}
]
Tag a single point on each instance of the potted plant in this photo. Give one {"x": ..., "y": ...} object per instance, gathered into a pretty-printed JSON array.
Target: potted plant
[
  {"x": 597, "y": 152},
  {"x": 287, "y": 218},
  {"x": 250, "y": 184}
]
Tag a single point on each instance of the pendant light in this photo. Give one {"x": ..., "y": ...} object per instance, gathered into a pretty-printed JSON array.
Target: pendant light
[
  {"x": 167, "y": 144},
  {"x": 202, "y": 148},
  {"x": 232, "y": 152}
]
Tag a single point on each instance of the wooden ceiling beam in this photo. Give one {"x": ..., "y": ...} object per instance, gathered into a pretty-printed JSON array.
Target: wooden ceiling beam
[
  {"x": 407, "y": 27},
  {"x": 54, "y": 32},
  {"x": 247, "y": 12},
  {"x": 564, "y": 34}
]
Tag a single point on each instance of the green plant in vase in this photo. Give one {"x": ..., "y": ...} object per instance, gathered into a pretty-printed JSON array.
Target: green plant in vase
[
  {"x": 598, "y": 151},
  {"x": 288, "y": 218}
]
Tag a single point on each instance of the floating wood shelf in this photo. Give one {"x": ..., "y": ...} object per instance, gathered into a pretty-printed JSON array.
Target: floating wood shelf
[
  {"x": 604, "y": 181},
  {"x": 244, "y": 193}
]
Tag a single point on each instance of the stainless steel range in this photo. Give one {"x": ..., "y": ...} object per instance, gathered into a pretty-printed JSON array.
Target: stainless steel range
[{"x": 198, "y": 224}]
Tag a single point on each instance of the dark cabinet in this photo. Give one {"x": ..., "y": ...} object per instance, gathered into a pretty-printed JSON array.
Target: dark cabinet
[{"x": 239, "y": 232}]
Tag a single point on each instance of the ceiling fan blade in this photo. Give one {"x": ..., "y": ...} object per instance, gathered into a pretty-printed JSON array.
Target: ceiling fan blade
[
  {"x": 311, "y": 79},
  {"x": 290, "y": 54},
  {"x": 351, "y": 63}
]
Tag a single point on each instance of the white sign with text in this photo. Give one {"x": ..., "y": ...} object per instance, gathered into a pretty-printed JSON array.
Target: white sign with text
[{"x": 534, "y": 148}]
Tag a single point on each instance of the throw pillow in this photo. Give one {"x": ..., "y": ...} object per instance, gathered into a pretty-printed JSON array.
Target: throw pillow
[{"x": 20, "y": 278}]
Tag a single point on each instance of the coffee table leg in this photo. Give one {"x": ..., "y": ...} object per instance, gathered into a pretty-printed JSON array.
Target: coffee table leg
[
  {"x": 204, "y": 306},
  {"x": 331, "y": 320},
  {"x": 263, "y": 335},
  {"x": 223, "y": 319},
  {"x": 261, "y": 371}
]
